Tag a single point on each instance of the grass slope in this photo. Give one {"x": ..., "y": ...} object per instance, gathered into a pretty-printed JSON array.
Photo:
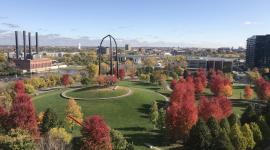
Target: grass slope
[{"x": 128, "y": 114}]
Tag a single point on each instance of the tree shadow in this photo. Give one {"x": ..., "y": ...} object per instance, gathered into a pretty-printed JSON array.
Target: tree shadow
[
  {"x": 131, "y": 129},
  {"x": 145, "y": 109}
]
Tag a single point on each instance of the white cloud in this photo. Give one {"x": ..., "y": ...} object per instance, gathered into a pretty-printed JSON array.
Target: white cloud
[{"x": 251, "y": 23}]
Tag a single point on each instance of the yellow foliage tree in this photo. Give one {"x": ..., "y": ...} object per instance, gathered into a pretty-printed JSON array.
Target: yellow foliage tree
[
  {"x": 60, "y": 133},
  {"x": 92, "y": 70},
  {"x": 40, "y": 118},
  {"x": 74, "y": 110}
]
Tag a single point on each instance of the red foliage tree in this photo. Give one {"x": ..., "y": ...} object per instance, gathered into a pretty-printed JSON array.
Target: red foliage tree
[
  {"x": 95, "y": 134},
  {"x": 19, "y": 87},
  {"x": 182, "y": 113},
  {"x": 122, "y": 73},
  {"x": 218, "y": 84},
  {"x": 201, "y": 73},
  {"x": 65, "y": 80},
  {"x": 23, "y": 115},
  {"x": 217, "y": 107},
  {"x": 263, "y": 89},
  {"x": 225, "y": 105},
  {"x": 173, "y": 83},
  {"x": 199, "y": 85}
]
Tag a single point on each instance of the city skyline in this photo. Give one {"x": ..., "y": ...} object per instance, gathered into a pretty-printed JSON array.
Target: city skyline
[{"x": 142, "y": 23}]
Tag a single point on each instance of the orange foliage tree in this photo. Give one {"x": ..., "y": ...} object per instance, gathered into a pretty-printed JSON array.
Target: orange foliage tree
[
  {"x": 248, "y": 93},
  {"x": 220, "y": 85}
]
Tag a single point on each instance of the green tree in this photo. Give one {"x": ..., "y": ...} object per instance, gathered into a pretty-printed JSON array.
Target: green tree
[
  {"x": 237, "y": 138},
  {"x": 263, "y": 127},
  {"x": 267, "y": 113},
  {"x": 200, "y": 137},
  {"x": 154, "y": 113},
  {"x": 257, "y": 134},
  {"x": 213, "y": 126},
  {"x": 222, "y": 142},
  {"x": 249, "y": 115},
  {"x": 224, "y": 124},
  {"x": 85, "y": 81},
  {"x": 49, "y": 121},
  {"x": 233, "y": 119},
  {"x": 118, "y": 140},
  {"x": 247, "y": 133}
]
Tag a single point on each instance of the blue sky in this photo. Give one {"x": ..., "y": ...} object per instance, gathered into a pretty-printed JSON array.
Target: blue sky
[{"x": 202, "y": 23}]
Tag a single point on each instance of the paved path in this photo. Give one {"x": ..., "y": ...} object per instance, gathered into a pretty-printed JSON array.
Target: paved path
[{"x": 63, "y": 94}]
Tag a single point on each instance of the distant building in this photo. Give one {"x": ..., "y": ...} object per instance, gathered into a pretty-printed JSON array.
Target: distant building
[
  {"x": 127, "y": 47},
  {"x": 137, "y": 59},
  {"x": 104, "y": 50},
  {"x": 34, "y": 65},
  {"x": 223, "y": 64},
  {"x": 178, "y": 52},
  {"x": 224, "y": 49},
  {"x": 258, "y": 51}
]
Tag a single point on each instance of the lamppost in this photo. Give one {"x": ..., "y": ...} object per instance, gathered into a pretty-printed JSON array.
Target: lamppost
[{"x": 111, "y": 55}]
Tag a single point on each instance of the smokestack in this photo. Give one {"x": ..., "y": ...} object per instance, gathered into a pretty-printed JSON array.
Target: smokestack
[
  {"x": 17, "y": 46},
  {"x": 24, "y": 45},
  {"x": 30, "y": 50},
  {"x": 37, "y": 42}
]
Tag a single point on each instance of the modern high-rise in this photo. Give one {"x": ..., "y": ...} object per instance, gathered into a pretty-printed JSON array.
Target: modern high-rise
[{"x": 258, "y": 51}]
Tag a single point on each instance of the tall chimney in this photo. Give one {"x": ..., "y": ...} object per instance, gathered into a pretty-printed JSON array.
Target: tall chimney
[
  {"x": 17, "y": 46},
  {"x": 30, "y": 50},
  {"x": 37, "y": 42},
  {"x": 24, "y": 45}
]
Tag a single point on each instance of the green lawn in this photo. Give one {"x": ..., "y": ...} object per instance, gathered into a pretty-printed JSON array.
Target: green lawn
[
  {"x": 128, "y": 114},
  {"x": 93, "y": 92}
]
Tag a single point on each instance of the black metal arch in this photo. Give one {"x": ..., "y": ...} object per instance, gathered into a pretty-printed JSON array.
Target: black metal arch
[{"x": 111, "y": 55}]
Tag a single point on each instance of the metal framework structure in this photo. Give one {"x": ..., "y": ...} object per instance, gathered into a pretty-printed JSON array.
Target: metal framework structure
[{"x": 111, "y": 55}]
